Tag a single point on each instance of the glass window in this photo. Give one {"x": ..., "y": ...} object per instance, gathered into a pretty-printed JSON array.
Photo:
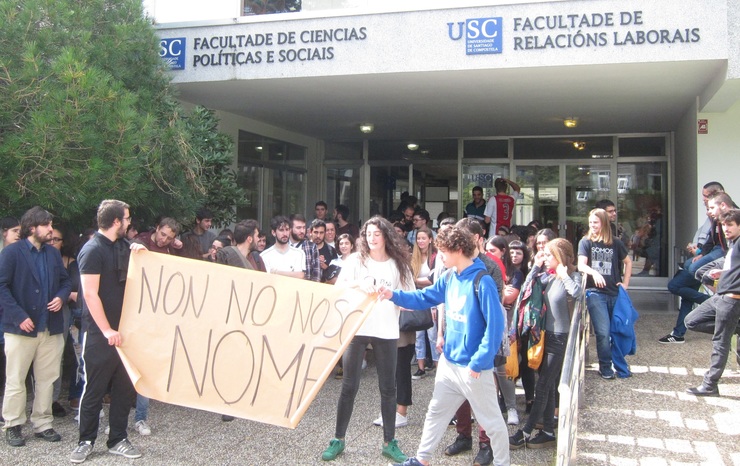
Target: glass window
[
  {"x": 386, "y": 186},
  {"x": 343, "y": 187},
  {"x": 540, "y": 196},
  {"x": 585, "y": 185},
  {"x": 266, "y": 7},
  {"x": 483, "y": 176},
  {"x": 435, "y": 186},
  {"x": 642, "y": 213},
  {"x": 249, "y": 180},
  {"x": 654, "y": 146},
  {"x": 486, "y": 149},
  {"x": 253, "y": 147},
  {"x": 343, "y": 150},
  {"x": 590, "y": 148}
]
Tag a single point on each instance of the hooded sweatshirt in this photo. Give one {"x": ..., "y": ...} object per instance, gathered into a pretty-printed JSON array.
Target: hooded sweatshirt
[{"x": 474, "y": 327}]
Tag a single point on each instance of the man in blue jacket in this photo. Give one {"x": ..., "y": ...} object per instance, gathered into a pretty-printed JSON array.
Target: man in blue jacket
[
  {"x": 473, "y": 333},
  {"x": 33, "y": 287}
]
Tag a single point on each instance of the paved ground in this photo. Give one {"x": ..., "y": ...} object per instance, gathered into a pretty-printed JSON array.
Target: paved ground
[{"x": 646, "y": 420}]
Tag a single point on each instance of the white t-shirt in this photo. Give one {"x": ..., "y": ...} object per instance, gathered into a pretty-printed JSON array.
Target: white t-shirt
[
  {"x": 383, "y": 319},
  {"x": 292, "y": 260}
]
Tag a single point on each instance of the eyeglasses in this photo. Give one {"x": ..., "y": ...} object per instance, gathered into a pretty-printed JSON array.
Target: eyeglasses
[
  {"x": 57, "y": 240},
  {"x": 127, "y": 218}
]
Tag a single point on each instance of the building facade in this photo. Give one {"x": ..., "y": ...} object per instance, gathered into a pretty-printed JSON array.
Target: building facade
[{"x": 356, "y": 102}]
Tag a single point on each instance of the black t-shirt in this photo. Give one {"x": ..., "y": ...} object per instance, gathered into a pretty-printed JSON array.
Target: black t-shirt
[
  {"x": 729, "y": 281},
  {"x": 329, "y": 254},
  {"x": 607, "y": 260},
  {"x": 101, "y": 256}
]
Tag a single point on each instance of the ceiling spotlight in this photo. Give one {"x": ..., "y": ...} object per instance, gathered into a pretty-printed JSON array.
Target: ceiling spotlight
[
  {"x": 570, "y": 122},
  {"x": 412, "y": 146},
  {"x": 367, "y": 128},
  {"x": 580, "y": 145},
  {"x": 258, "y": 148}
]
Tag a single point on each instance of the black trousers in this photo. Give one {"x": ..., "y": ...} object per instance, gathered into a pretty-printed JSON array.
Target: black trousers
[{"x": 103, "y": 366}]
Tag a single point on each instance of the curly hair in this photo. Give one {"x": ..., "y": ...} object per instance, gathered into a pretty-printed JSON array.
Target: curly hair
[
  {"x": 456, "y": 239},
  {"x": 395, "y": 247}
]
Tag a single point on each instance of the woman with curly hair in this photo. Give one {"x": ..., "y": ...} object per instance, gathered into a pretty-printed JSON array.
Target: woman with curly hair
[{"x": 381, "y": 260}]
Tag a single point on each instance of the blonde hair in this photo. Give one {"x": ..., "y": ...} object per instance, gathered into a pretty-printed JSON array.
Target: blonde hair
[
  {"x": 605, "y": 235},
  {"x": 417, "y": 257},
  {"x": 562, "y": 251}
]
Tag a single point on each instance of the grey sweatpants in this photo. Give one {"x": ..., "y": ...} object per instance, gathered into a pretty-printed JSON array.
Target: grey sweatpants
[{"x": 452, "y": 386}]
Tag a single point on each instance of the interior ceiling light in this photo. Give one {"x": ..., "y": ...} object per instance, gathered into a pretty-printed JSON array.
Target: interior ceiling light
[
  {"x": 580, "y": 145},
  {"x": 367, "y": 128},
  {"x": 412, "y": 146},
  {"x": 570, "y": 122}
]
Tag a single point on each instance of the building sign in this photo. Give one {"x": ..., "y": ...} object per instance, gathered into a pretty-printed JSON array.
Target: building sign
[
  {"x": 483, "y": 35},
  {"x": 703, "y": 127},
  {"x": 566, "y": 31},
  {"x": 172, "y": 52}
]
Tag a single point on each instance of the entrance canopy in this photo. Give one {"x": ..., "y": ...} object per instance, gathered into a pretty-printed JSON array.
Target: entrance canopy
[{"x": 508, "y": 70}]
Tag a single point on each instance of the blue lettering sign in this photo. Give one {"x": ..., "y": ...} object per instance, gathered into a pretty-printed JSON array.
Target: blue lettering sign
[
  {"x": 172, "y": 52},
  {"x": 483, "y": 35}
]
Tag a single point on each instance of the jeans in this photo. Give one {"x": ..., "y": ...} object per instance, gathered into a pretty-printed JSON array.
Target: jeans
[
  {"x": 421, "y": 345},
  {"x": 545, "y": 397},
  {"x": 600, "y": 308},
  {"x": 717, "y": 316},
  {"x": 684, "y": 284},
  {"x": 142, "y": 408},
  {"x": 386, "y": 356},
  {"x": 714, "y": 254}
]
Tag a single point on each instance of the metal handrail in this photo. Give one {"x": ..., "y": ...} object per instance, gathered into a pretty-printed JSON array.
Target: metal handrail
[{"x": 571, "y": 381}]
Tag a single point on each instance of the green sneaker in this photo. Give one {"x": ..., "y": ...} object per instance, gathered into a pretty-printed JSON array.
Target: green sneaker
[
  {"x": 336, "y": 447},
  {"x": 393, "y": 452}
]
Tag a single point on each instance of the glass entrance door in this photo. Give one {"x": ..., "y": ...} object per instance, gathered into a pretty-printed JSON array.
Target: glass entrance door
[{"x": 560, "y": 196}]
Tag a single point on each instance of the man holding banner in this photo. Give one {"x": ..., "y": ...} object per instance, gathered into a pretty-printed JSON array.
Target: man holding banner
[{"x": 103, "y": 265}]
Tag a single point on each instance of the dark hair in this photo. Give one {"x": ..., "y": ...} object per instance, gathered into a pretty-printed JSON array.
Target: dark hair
[
  {"x": 342, "y": 210},
  {"x": 732, "y": 215},
  {"x": 456, "y": 239},
  {"x": 6, "y": 223},
  {"x": 718, "y": 198},
  {"x": 349, "y": 238},
  {"x": 714, "y": 186},
  {"x": 318, "y": 223},
  {"x": 298, "y": 218},
  {"x": 223, "y": 239},
  {"x": 524, "y": 267},
  {"x": 170, "y": 222},
  {"x": 423, "y": 214},
  {"x": 34, "y": 217},
  {"x": 447, "y": 221},
  {"x": 109, "y": 211},
  {"x": 477, "y": 188},
  {"x": 395, "y": 246},
  {"x": 203, "y": 213},
  {"x": 500, "y": 185},
  {"x": 322, "y": 204},
  {"x": 278, "y": 221},
  {"x": 547, "y": 233},
  {"x": 244, "y": 230},
  {"x": 191, "y": 247},
  {"x": 604, "y": 203},
  {"x": 472, "y": 225}
]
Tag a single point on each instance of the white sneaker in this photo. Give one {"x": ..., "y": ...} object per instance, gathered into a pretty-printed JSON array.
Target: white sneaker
[
  {"x": 143, "y": 428},
  {"x": 512, "y": 417},
  {"x": 107, "y": 429},
  {"x": 364, "y": 364},
  {"x": 401, "y": 420}
]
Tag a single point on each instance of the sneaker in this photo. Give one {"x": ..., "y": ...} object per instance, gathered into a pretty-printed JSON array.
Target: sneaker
[
  {"x": 107, "y": 429},
  {"x": 409, "y": 462},
  {"x": 340, "y": 374},
  {"x": 460, "y": 445},
  {"x": 50, "y": 435},
  {"x": 542, "y": 440},
  {"x": 518, "y": 440},
  {"x": 419, "y": 374},
  {"x": 143, "y": 428},
  {"x": 58, "y": 410},
  {"x": 393, "y": 452},
  {"x": 607, "y": 375},
  {"x": 401, "y": 420},
  {"x": 14, "y": 436},
  {"x": 74, "y": 403},
  {"x": 81, "y": 452},
  {"x": 227, "y": 418},
  {"x": 512, "y": 417},
  {"x": 484, "y": 456},
  {"x": 125, "y": 449},
  {"x": 336, "y": 447},
  {"x": 364, "y": 364},
  {"x": 671, "y": 338}
]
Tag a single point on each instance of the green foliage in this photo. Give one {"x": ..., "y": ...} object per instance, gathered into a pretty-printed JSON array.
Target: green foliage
[{"x": 87, "y": 112}]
